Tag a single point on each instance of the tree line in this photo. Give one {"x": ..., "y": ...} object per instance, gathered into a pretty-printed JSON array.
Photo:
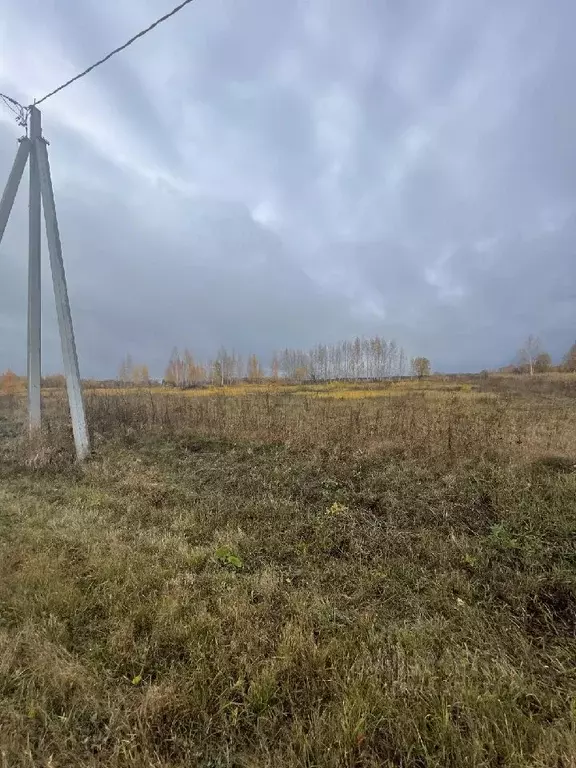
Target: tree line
[
  {"x": 358, "y": 359},
  {"x": 532, "y": 358}
]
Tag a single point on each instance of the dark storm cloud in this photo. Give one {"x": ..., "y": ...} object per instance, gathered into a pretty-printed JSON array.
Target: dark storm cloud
[{"x": 262, "y": 174}]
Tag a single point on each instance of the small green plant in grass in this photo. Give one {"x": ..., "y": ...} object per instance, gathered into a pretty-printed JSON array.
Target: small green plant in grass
[
  {"x": 502, "y": 536},
  {"x": 471, "y": 561},
  {"x": 226, "y": 556},
  {"x": 337, "y": 509}
]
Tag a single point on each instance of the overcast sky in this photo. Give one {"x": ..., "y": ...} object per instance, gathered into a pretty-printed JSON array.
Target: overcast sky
[{"x": 270, "y": 173}]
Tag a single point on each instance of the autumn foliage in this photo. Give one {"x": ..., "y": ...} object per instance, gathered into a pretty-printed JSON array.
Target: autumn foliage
[{"x": 10, "y": 383}]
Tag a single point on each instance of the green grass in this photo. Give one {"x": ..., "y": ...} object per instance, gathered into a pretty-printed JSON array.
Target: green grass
[{"x": 226, "y": 593}]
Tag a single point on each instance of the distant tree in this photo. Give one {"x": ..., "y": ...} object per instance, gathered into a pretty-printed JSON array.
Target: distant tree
[
  {"x": 130, "y": 373},
  {"x": 301, "y": 373},
  {"x": 420, "y": 367},
  {"x": 227, "y": 366},
  {"x": 189, "y": 368},
  {"x": 275, "y": 368},
  {"x": 175, "y": 372},
  {"x": 322, "y": 362},
  {"x": 356, "y": 358},
  {"x": 240, "y": 367},
  {"x": 542, "y": 362},
  {"x": 569, "y": 361},
  {"x": 291, "y": 360},
  {"x": 9, "y": 383},
  {"x": 377, "y": 356},
  {"x": 191, "y": 372},
  {"x": 529, "y": 352},
  {"x": 255, "y": 373},
  {"x": 122, "y": 372},
  {"x": 217, "y": 373},
  {"x": 335, "y": 361},
  {"x": 401, "y": 357},
  {"x": 54, "y": 381},
  {"x": 396, "y": 365},
  {"x": 129, "y": 368},
  {"x": 170, "y": 372},
  {"x": 140, "y": 375}
]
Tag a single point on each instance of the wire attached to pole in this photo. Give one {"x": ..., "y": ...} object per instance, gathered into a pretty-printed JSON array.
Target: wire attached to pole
[
  {"x": 18, "y": 109},
  {"x": 133, "y": 39}
]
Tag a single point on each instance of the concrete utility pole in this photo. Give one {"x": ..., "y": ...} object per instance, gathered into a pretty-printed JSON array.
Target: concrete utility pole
[
  {"x": 34, "y": 273},
  {"x": 41, "y": 194}
]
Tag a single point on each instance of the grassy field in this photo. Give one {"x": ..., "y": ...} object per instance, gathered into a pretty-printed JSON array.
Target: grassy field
[{"x": 293, "y": 576}]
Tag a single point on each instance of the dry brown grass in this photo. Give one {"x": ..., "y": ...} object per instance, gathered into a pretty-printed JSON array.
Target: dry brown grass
[
  {"x": 453, "y": 422},
  {"x": 292, "y": 580}
]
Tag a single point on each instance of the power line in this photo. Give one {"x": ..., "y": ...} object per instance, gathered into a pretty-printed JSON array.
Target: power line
[{"x": 173, "y": 12}]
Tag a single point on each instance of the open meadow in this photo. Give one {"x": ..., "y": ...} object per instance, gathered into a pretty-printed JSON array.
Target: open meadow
[{"x": 278, "y": 575}]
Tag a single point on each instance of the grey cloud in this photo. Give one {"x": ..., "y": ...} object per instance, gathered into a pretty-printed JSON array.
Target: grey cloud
[
  {"x": 210, "y": 276},
  {"x": 412, "y": 168}
]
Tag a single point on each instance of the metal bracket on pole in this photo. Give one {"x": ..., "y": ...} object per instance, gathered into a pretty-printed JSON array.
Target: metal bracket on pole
[
  {"x": 34, "y": 279},
  {"x": 71, "y": 368}
]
